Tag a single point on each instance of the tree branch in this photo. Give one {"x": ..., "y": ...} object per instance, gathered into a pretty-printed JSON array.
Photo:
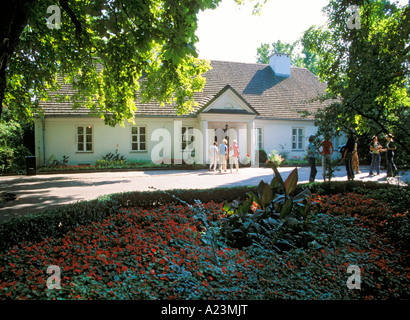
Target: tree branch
[{"x": 74, "y": 20}]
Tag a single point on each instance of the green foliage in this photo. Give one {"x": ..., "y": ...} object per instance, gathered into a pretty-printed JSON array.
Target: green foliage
[
  {"x": 102, "y": 49},
  {"x": 6, "y": 158},
  {"x": 265, "y": 51},
  {"x": 131, "y": 246},
  {"x": 398, "y": 224},
  {"x": 275, "y": 158},
  {"x": 12, "y": 150},
  {"x": 57, "y": 222},
  {"x": 110, "y": 52},
  {"x": 332, "y": 165},
  {"x": 111, "y": 160},
  {"x": 366, "y": 70},
  {"x": 274, "y": 220},
  {"x": 113, "y": 156},
  {"x": 170, "y": 252}
]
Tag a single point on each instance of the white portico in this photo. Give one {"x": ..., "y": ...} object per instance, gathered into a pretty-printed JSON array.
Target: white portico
[{"x": 229, "y": 116}]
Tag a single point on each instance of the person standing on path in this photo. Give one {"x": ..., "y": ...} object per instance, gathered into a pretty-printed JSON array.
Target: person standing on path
[
  {"x": 311, "y": 151},
  {"x": 326, "y": 153},
  {"x": 347, "y": 157},
  {"x": 375, "y": 149},
  {"x": 390, "y": 150},
  {"x": 213, "y": 156},
  {"x": 234, "y": 155},
  {"x": 355, "y": 159},
  {"x": 223, "y": 155}
]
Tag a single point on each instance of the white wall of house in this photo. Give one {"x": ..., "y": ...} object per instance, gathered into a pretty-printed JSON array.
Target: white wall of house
[
  {"x": 278, "y": 135},
  {"x": 61, "y": 137}
]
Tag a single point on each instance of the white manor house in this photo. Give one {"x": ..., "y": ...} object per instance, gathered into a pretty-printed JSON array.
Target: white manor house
[{"x": 257, "y": 104}]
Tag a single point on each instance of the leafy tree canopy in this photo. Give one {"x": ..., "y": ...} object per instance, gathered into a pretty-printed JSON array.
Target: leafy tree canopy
[
  {"x": 363, "y": 55},
  {"x": 102, "y": 48}
]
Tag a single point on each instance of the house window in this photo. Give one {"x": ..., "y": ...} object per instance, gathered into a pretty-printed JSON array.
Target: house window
[
  {"x": 297, "y": 138},
  {"x": 85, "y": 139},
  {"x": 138, "y": 139},
  {"x": 259, "y": 138},
  {"x": 187, "y": 136}
]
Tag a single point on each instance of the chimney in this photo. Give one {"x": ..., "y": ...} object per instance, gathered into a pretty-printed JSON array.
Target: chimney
[{"x": 280, "y": 64}]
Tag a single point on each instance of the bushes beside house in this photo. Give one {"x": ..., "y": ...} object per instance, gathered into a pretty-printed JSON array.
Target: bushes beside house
[
  {"x": 113, "y": 161},
  {"x": 12, "y": 149}
]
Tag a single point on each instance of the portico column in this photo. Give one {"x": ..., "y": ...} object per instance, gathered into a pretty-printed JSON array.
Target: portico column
[
  {"x": 203, "y": 127},
  {"x": 251, "y": 141}
]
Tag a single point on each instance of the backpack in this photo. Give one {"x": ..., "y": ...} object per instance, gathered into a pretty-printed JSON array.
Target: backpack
[{"x": 342, "y": 149}]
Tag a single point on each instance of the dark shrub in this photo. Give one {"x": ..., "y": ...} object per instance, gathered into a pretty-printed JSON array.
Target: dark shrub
[{"x": 263, "y": 156}]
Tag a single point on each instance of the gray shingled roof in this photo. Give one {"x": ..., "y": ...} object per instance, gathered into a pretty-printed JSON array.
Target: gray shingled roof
[{"x": 270, "y": 96}]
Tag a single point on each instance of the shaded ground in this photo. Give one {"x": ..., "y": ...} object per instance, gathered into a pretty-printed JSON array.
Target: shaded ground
[{"x": 21, "y": 195}]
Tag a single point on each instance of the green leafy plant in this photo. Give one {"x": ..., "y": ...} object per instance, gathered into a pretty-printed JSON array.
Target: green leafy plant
[
  {"x": 275, "y": 158},
  {"x": 52, "y": 162},
  {"x": 12, "y": 150},
  {"x": 284, "y": 153},
  {"x": 332, "y": 166},
  {"x": 111, "y": 160},
  {"x": 147, "y": 245},
  {"x": 273, "y": 216},
  {"x": 58, "y": 221}
]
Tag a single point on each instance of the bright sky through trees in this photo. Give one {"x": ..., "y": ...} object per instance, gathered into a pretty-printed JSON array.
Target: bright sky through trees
[{"x": 232, "y": 33}]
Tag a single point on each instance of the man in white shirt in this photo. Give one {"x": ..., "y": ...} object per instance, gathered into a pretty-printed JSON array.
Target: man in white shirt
[{"x": 213, "y": 156}]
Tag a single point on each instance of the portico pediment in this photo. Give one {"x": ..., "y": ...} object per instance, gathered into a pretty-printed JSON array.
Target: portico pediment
[{"x": 228, "y": 101}]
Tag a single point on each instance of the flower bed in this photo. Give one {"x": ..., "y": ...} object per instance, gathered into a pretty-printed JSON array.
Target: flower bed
[
  {"x": 384, "y": 263},
  {"x": 143, "y": 254},
  {"x": 169, "y": 252}
]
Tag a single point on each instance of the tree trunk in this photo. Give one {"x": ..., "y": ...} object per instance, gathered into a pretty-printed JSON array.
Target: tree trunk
[{"x": 13, "y": 19}]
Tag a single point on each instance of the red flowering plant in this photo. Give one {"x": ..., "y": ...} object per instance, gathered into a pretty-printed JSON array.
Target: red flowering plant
[
  {"x": 178, "y": 252},
  {"x": 151, "y": 254},
  {"x": 368, "y": 242}
]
